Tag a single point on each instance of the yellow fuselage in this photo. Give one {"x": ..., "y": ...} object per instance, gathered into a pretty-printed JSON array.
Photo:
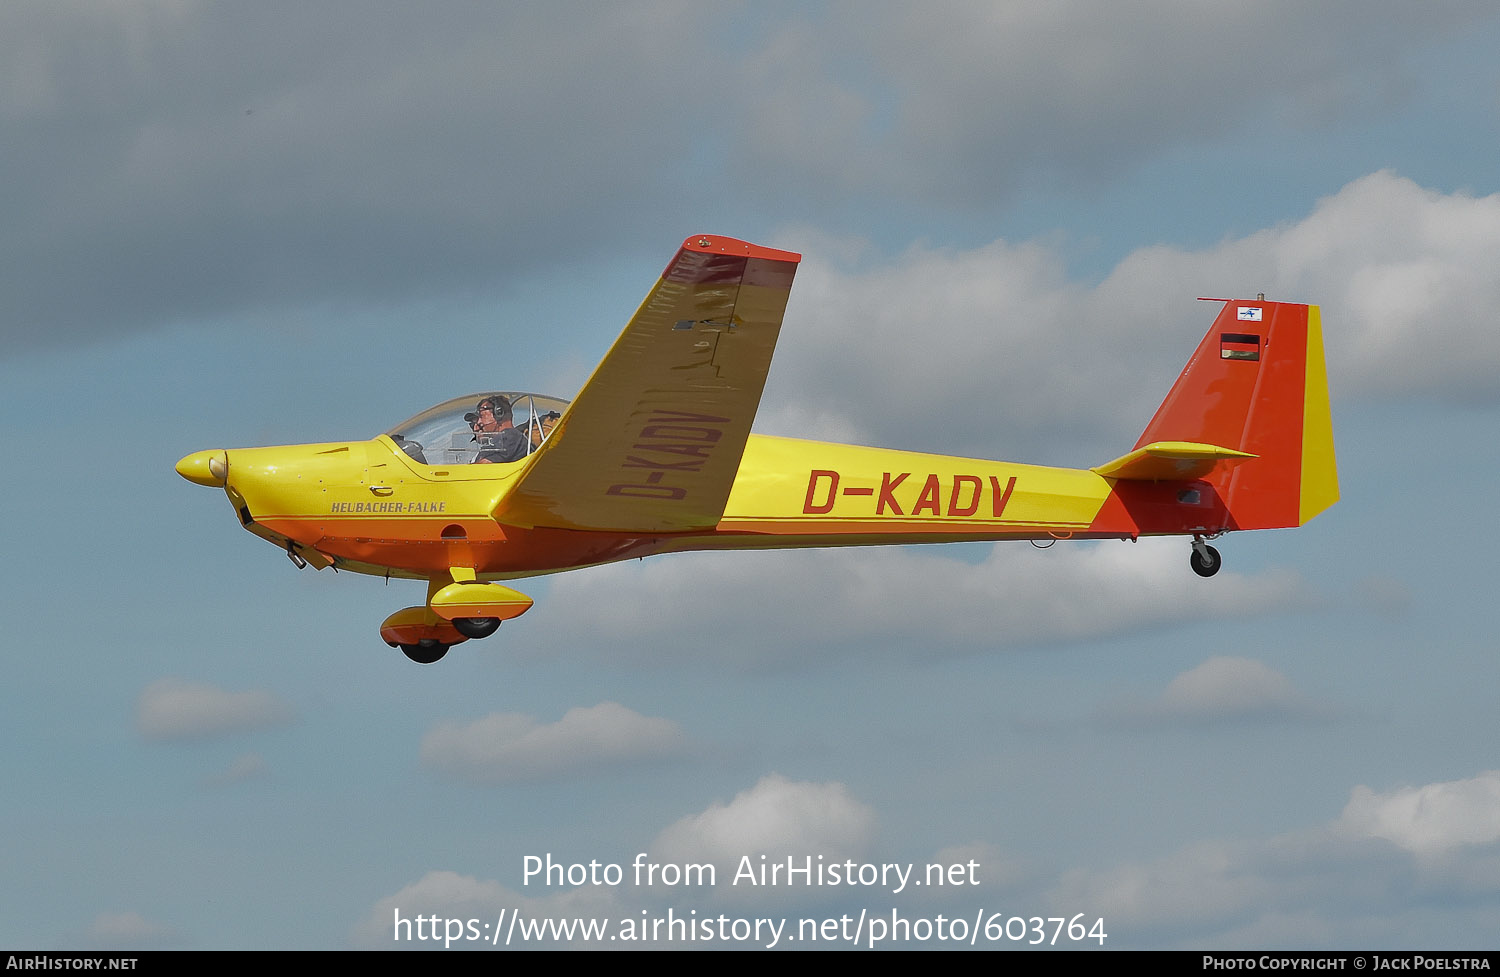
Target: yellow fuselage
[{"x": 366, "y": 506}]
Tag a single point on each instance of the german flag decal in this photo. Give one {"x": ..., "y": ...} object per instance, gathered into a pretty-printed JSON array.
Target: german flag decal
[{"x": 1239, "y": 346}]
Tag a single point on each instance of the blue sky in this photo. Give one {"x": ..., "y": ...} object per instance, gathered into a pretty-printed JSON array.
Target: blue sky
[{"x": 235, "y": 225}]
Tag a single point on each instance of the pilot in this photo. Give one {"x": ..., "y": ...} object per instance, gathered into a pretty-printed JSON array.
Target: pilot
[{"x": 499, "y": 441}]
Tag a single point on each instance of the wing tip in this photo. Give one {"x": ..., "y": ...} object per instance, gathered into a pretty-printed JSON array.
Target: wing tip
[{"x": 719, "y": 244}]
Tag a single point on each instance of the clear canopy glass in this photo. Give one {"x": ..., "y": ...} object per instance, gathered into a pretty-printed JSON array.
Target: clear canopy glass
[{"x": 443, "y": 435}]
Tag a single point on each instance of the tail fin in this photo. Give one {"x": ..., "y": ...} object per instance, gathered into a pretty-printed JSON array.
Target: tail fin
[{"x": 1258, "y": 384}]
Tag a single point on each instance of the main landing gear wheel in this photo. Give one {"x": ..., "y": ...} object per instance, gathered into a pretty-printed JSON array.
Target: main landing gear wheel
[
  {"x": 426, "y": 651},
  {"x": 476, "y": 627},
  {"x": 1204, "y": 559}
]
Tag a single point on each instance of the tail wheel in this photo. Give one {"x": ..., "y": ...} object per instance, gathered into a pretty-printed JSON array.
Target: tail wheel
[
  {"x": 426, "y": 651},
  {"x": 1205, "y": 560},
  {"x": 476, "y": 627}
]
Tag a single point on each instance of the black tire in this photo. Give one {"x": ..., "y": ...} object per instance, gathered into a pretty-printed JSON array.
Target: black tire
[
  {"x": 425, "y": 653},
  {"x": 1206, "y": 568},
  {"x": 476, "y": 627}
]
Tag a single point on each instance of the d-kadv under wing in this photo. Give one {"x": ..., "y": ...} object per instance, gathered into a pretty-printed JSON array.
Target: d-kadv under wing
[{"x": 655, "y": 455}]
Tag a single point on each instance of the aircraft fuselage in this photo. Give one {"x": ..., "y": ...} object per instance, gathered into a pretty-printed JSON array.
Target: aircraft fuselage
[{"x": 367, "y": 507}]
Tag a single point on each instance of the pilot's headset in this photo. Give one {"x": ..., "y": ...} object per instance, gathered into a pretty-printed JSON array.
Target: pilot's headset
[{"x": 497, "y": 405}]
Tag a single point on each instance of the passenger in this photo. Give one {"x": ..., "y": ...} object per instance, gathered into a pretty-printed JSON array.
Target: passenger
[
  {"x": 499, "y": 441},
  {"x": 539, "y": 427}
]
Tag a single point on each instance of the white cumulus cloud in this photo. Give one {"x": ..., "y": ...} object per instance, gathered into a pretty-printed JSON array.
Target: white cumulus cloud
[
  {"x": 503, "y": 747},
  {"x": 1430, "y": 819},
  {"x": 995, "y": 352},
  {"x": 1330, "y": 884},
  {"x": 461, "y": 899},
  {"x": 920, "y": 601},
  {"x": 1222, "y": 689},
  {"x": 776, "y": 817}
]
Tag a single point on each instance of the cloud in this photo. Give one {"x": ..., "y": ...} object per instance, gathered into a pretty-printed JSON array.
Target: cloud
[
  {"x": 996, "y": 352},
  {"x": 468, "y": 909},
  {"x": 1417, "y": 867},
  {"x": 128, "y": 931},
  {"x": 193, "y": 161},
  {"x": 1223, "y": 689},
  {"x": 961, "y": 103},
  {"x": 1401, "y": 274},
  {"x": 919, "y": 602},
  {"x": 1199, "y": 887},
  {"x": 1431, "y": 819},
  {"x": 973, "y": 353},
  {"x": 983, "y": 863},
  {"x": 176, "y": 709},
  {"x": 503, "y": 747},
  {"x": 776, "y": 817},
  {"x": 200, "y": 161},
  {"x": 1339, "y": 883}
]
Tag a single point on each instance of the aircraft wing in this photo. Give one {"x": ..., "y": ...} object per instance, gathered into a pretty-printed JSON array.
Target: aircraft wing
[{"x": 653, "y": 441}]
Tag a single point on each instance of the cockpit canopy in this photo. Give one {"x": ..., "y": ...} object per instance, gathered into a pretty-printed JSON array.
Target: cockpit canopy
[{"x": 444, "y": 435}]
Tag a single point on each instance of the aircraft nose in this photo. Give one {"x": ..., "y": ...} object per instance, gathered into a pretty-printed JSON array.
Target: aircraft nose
[{"x": 205, "y": 468}]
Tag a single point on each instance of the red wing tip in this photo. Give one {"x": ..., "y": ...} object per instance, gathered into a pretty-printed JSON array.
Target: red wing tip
[{"x": 718, "y": 244}]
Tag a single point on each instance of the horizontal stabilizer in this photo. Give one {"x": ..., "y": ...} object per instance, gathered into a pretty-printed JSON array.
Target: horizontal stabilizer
[{"x": 1170, "y": 461}]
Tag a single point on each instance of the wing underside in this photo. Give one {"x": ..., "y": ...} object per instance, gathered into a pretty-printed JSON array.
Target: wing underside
[{"x": 653, "y": 442}]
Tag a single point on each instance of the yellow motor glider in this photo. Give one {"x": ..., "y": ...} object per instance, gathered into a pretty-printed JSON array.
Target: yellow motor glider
[{"x": 655, "y": 455}]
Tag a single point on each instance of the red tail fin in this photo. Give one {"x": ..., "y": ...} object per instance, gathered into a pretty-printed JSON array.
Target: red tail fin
[{"x": 1258, "y": 384}]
